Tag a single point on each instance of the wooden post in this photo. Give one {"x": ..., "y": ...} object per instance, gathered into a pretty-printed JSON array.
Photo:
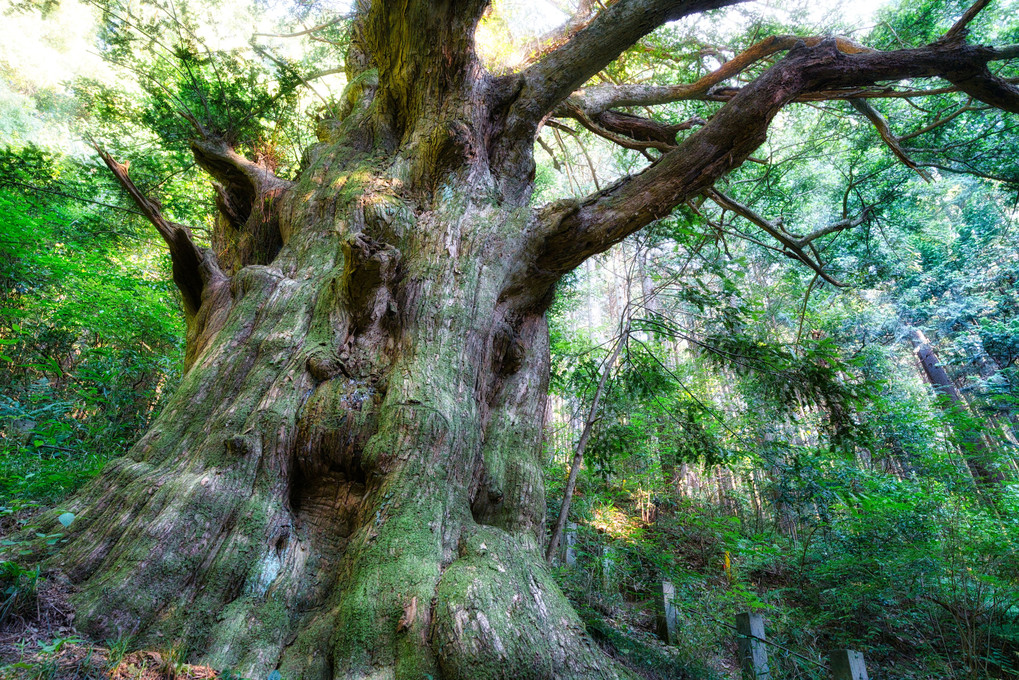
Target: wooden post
[
  {"x": 847, "y": 665},
  {"x": 571, "y": 544},
  {"x": 668, "y": 614},
  {"x": 752, "y": 652},
  {"x": 607, "y": 564}
]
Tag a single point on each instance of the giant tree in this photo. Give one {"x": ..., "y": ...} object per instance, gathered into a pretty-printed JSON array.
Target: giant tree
[{"x": 347, "y": 481}]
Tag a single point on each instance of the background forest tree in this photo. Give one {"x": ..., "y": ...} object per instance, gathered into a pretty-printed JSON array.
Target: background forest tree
[{"x": 764, "y": 439}]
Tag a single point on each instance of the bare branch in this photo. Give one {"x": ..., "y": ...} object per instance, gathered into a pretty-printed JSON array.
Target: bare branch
[
  {"x": 287, "y": 68},
  {"x": 193, "y": 267},
  {"x": 786, "y": 238},
  {"x": 968, "y": 106},
  {"x": 551, "y": 154},
  {"x": 973, "y": 173},
  {"x": 325, "y": 72},
  {"x": 803, "y": 311},
  {"x": 793, "y": 246},
  {"x": 959, "y": 30},
  {"x": 307, "y": 31},
  {"x": 554, "y": 39}
]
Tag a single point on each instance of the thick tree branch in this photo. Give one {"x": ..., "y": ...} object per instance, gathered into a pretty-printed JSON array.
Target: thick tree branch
[
  {"x": 725, "y": 94},
  {"x": 560, "y": 72},
  {"x": 990, "y": 89},
  {"x": 872, "y": 92},
  {"x": 193, "y": 267},
  {"x": 246, "y": 194},
  {"x": 568, "y": 232},
  {"x": 233, "y": 170},
  {"x": 603, "y": 97},
  {"x": 557, "y": 37}
]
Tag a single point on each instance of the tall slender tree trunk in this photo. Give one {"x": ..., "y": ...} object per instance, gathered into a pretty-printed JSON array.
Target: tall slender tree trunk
[
  {"x": 1003, "y": 422},
  {"x": 578, "y": 452},
  {"x": 978, "y": 456}
]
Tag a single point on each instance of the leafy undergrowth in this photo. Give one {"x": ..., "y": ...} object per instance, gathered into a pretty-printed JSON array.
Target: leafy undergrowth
[
  {"x": 917, "y": 605},
  {"x": 641, "y": 651},
  {"x": 43, "y": 645}
]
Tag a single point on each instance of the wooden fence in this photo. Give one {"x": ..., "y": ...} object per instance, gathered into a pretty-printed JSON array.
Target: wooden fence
[{"x": 843, "y": 664}]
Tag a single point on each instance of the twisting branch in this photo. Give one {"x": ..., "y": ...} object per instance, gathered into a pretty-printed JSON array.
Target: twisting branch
[
  {"x": 247, "y": 194},
  {"x": 240, "y": 182},
  {"x": 793, "y": 245},
  {"x": 885, "y": 132},
  {"x": 543, "y": 85},
  {"x": 194, "y": 268},
  {"x": 623, "y": 140},
  {"x": 626, "y": 130},
  {"x": 568, "y": 232},
  {"x": 564, "y": 70},
  {"x": 600, "y": 98}
]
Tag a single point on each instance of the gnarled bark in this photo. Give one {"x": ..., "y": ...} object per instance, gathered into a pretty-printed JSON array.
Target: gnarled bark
[{"x": 347, "y": 482}]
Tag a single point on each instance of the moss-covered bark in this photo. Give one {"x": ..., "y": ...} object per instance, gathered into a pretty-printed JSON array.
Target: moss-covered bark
[{"x": 347, "y": 482}]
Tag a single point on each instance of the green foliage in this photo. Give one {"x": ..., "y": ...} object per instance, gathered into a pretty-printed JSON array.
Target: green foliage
[
  {"x": 18, "y": 590},
  {"x": 641, "y": 652},
  {"x": 767, "y": 442},
  {"x": 89, "y": 329}
]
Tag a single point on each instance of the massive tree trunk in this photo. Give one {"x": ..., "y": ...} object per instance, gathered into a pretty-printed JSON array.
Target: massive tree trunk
[{"x": 347, "y": 482}]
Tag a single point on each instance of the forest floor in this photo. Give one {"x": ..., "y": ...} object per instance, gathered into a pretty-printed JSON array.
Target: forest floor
[{"x": 75, "y": 659}]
